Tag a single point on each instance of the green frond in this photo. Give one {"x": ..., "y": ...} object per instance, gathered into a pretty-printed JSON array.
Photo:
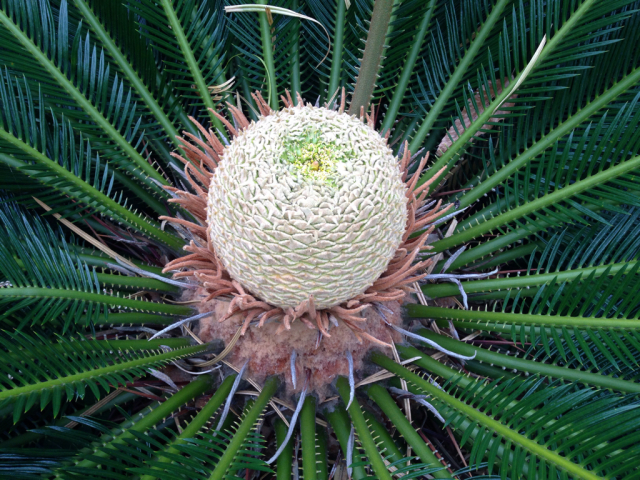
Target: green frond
[
  {"x": 36, "y": 371},
  {"x": 60, "y": 63},
  {"x": 371, "y": 56},
  {"x": 197, "y": 451},
  {"x": 602, "y": 379},
  {"x": 35, "y": 258},
  {"x": 341, "y": 424},
  {"x": 365, "y": 437},
  {"x": 384, "y": 400},
  {"x": 113, "y": 27},
  {"x": 117, "y": 442},
  {"x": 51, "y": 153},
  {"x": 191, "y": 38},
  {"x": 45, "y": 281},
  {"x": 22, "y": 434},
  {"x": 540, "y": 433}
]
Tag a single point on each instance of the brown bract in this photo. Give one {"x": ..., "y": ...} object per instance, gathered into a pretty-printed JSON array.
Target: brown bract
[{"x": 201, "y": 157}]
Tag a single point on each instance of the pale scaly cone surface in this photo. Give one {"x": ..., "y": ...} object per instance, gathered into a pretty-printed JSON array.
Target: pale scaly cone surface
[{"x": 287, "y": 230}]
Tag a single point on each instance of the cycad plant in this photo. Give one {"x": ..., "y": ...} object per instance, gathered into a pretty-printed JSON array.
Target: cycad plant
[{"x": 515, "y": 352}]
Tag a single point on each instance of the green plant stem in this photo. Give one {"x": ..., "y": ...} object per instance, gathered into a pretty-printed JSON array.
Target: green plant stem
[
  {"x": 341, "y": 425},
  {"x": 173, "y": 343},
  {"x": 487, "y": 422},
  {"x": 568, "y": 27},
  {"x": 447, "y": 290},
  {"x": 514, "y": 235},
  {"x": 96, "y": 298},
  {"x": 441, "y": 370},
  {"x": 138, "y": 283},
  {"x": 308, "y": 438},
  {"x": 390, "y": 30},
  {"x": 362, "y": 430},
  {"x": 530, "y": 332},
  {"x": 191, "y": 430},
  {"x": 485, "y": 370},
  {"x": 133, "y": 318},
  {"x": 382, "y": 398},
  {"x": 285, "y": 460},
  {"x": 336, "y": 51},
  {"x": 433, "y": 366},
  {"x": 267, "y": 53},
  {"x": 140, "y": 87},
  {"x": 115, "y": 345},
  {"x": 456, "y": 77},
  {"x": 407, "y": 70},
  {"x": 421, "y": 311},
  {"x": 95, "y": 258},
  {"x": 322, "y": 440},
  {"x": 368, "y": 73},
  {"x": 471, "y": 255},
  {"x": 510, "y": 362},
  {"x": 296, "y": 86},
  {"x": 515, "y": 253},
  {"x": 486, "y": 327},
  {"x": 191, "y": 62},
  {"x": 187, "y": 393},
  {"x": 387, "y": 447},
  {"x": 465, "y": 425},
  {"x": 80, "y": 99},
  {"x": 86, "y": 376},
  {"x": 248, "y": 423},
  {"x": 490, "y": 211},
  {"x": 219, "y": 74}
]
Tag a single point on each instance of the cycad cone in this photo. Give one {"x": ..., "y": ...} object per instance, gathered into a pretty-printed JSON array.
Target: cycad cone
[{"x": 307, "y": 201}]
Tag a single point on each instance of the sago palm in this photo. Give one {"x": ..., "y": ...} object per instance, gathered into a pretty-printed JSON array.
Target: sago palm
[{"x": 320, "y": 239}]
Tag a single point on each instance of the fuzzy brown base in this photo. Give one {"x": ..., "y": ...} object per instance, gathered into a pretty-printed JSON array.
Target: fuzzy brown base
[{"x": 269, "y": 353}]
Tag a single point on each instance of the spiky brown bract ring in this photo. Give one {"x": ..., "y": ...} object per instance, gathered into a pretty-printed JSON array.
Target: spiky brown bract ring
[{"x": 220, "y": 242}]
